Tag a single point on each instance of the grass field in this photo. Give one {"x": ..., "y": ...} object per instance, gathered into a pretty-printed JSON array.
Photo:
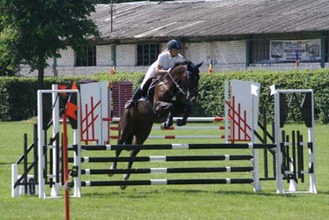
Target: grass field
[{"x": 166, "y": 202}]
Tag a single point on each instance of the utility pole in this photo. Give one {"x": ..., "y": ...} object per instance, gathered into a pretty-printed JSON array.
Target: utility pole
[
  {"x": 113, "y": 46},
  {"x": 111, "y": 15}
]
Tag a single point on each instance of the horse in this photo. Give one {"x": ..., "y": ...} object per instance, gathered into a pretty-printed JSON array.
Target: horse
[{"x": 169, "y": 95}]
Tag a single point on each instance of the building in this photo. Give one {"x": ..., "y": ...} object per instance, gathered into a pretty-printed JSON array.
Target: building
[{"x": 229, "y": 34}]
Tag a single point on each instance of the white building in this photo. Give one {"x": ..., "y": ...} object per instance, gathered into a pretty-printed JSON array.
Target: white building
[{"x": 231, "y": 35}]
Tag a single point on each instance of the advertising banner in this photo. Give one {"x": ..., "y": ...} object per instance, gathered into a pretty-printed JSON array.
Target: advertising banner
[{"x": 291, "y": 50}]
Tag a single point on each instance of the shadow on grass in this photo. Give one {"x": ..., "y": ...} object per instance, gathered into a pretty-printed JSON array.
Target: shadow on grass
[
  {"x": 233, "y": 192},
  {"x": 323, "y": 192},
  {"x": 138, "y": 193},
  {"x": 249, "y": 193}
]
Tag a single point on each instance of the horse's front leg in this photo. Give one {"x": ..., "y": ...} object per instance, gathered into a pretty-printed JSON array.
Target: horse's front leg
[
  {"x": 187, "y": 111},
  {"x": 164, "y": 108},
  {"x": 167, "y": 123}
]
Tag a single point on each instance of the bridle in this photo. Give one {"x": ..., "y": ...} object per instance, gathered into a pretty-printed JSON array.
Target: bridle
[
  {"x": 176, "y": 84},
  {"x": 187, "y": 77}
]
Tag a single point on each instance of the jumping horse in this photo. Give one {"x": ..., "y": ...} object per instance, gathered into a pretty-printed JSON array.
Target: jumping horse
[{"x": 169, "y": 95}]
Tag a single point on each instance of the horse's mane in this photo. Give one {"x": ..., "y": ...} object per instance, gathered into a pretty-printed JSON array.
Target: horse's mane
[
  {"x": 178, "y": 75},
  {"x": 177, "y": 71}
]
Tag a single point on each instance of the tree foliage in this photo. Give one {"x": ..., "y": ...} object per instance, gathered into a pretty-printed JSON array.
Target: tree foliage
[{"x": 34, "y": 30}]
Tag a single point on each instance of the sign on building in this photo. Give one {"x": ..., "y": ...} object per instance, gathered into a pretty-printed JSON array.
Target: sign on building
[{"x": 291, "y": 50}]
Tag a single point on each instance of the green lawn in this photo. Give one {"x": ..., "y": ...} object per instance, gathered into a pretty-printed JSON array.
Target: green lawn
[{"x": 166, "y": 202}]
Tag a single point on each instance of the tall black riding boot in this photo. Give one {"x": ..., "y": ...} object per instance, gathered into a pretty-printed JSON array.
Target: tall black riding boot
[{"x": 137, "y": 95}]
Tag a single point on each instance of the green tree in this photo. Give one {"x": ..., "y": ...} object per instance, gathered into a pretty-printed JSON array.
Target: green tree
[
  {"x": 8, "y": 64},
  {"x": 34, "y": 30}
]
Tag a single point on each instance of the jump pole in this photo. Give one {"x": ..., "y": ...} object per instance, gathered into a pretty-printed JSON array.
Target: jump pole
[
  {"x": 249, "y": 146},
  {"x": 254, "y": 92},
  {"x": 55, "y": 131},
  {"x": 226, "y": 97},
  {"x": 41, "y": 143},
  {"x": 223, "y": 135}
]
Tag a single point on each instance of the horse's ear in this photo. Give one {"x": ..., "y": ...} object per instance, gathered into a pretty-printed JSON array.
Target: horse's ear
[{"x": 198, "y": 65}]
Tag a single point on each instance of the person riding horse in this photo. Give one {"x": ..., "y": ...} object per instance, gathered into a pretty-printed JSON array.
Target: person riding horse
[
  {"x": 171, "y": 96},
  {"x": 166, "y": 60}
]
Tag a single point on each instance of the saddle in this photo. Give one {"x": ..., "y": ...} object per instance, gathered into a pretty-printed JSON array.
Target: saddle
[
  {"x": 150, "y": 85},
  {"x": 148, "y": 90}
]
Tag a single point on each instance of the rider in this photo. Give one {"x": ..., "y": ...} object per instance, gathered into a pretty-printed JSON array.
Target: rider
[{"x": 166, "y": 60}]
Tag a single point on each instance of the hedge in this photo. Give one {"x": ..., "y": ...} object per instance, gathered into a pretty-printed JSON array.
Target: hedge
[{"x": 18, "y": 94}]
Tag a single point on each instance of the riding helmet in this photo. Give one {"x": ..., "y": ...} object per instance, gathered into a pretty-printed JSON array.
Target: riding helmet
[{"x": 173, "y": 44}]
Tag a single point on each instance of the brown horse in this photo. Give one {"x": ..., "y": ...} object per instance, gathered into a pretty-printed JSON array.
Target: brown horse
[{"x": 172, "y": 95}]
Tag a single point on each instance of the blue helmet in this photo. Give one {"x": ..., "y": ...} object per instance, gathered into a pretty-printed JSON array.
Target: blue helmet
[{"x": 173, "y": 44}]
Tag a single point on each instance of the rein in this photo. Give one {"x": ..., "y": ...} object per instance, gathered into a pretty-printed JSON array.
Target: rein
[{"x": 176, "y": 84}]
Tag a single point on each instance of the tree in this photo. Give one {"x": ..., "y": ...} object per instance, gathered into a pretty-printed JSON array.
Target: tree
[
  {"x": 34, "y": 30},
  {"x": 8, "y": 64}
]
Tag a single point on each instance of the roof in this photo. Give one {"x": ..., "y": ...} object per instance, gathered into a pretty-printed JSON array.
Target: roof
[{"x": 209, "y": 19}]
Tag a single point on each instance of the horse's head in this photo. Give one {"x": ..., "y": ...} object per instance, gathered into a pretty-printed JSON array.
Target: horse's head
[{"x": 193, "y": 80}]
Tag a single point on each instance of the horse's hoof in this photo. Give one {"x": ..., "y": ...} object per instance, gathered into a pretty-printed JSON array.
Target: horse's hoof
[
  {"x": 125, "y": 178},
  {"x": 163, "y": 126},
  {"x": 112, "y": 168},
  {"x": 180, "y": 122}
]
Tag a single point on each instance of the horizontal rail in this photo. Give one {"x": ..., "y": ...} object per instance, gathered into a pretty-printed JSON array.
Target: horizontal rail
[
  {"x": 179, "y": 137},
  {"x": 59, "y": 91},
  {"x": 183, "y": 128},
  {"x": 178, "y": 146},
  {"x": 167, "y": 170},
  {"x": 189, "y": 119},
  {"x": 164, "y": 158},
  {"x": 166, "y": 182},
  {"x": 294, "y": 90}
]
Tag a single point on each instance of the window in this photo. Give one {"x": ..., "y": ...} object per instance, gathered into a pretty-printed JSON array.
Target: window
[
  {"x": 259, "y": 51},
  {"x": 147, "y": 54},
  {"x": 86, "y": 56}
]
